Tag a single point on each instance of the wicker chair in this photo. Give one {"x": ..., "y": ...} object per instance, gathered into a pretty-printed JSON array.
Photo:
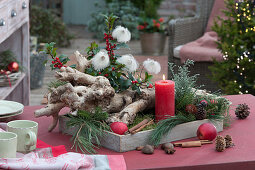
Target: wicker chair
[{"x": 184, "y": 30}]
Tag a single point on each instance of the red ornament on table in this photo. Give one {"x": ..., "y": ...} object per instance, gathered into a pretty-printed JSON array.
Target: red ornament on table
[
  {"x": 206, "y": 131},
  {"x": 119, "y": 127},
  {"x": 13, "y": 67},
  {"x": 164, "y": 99}
]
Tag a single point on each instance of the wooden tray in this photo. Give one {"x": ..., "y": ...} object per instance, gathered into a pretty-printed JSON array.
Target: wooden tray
[{"x": 123, "y": 143}]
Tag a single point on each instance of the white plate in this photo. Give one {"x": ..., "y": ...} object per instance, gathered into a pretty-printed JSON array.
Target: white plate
[
  {"x": 11, "y": 115},
  {"x": 10, "y": 107}
]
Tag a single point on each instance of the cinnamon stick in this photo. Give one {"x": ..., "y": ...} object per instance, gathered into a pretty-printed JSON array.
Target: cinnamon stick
[
  {"x": 138, "y": 125},
  {"x": 143, "y": 126},
  {"x": 192, "y": 143}
]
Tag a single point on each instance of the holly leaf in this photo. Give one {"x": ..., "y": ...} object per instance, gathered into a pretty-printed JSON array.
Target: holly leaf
[
  {"x": 148, "y": 77},
  {"x": 121, "y": 45},
  {"x": 73, "y": 66},
  {"x": 124, "y": 84},
  {"x": 113, "y": 41},
  {"x": 131, "y": 77}
]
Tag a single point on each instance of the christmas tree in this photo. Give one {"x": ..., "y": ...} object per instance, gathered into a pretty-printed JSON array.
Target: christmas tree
[{"x": 236, "y": 32}]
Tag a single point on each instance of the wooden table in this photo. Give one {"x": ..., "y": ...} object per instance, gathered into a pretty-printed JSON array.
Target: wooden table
[{"x": 242, "y": 156}]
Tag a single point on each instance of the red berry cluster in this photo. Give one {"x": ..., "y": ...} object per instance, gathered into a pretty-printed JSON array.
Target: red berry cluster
[
  {"x": 57, "y": 63},
  {"x": 109, "y": 46},
  {"x": 150, "y": 86},
  {"x": 134, "y": 82}
]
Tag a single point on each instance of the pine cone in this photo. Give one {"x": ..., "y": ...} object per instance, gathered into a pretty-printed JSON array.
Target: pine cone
[
  {"x": 229, "y": 142},
  {"x": 201, "y": 112},
  {"x": 220, "y": 144},
  {"x": 242, "y": 111},
  {"x": 190, "y": 108}
]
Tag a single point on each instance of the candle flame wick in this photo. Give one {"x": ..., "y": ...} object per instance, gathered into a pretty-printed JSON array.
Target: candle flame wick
[{"x": 164, "y": 77}]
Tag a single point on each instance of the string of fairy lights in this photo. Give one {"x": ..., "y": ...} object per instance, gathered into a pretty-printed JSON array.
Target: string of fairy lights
[{"x": 245, "y": 14}]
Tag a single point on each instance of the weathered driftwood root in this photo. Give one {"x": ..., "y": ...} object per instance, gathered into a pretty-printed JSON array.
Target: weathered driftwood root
[
  {"x": 127, "y": 115},
  {"x": 50, "y": 110},
  {"x": 86, "y": 92}
]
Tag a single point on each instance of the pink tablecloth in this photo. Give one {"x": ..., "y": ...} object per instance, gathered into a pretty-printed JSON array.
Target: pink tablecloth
[{"x": 242, "y": 156}]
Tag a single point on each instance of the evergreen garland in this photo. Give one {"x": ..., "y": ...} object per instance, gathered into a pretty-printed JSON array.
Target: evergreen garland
[{"x": 90, "y": 127}]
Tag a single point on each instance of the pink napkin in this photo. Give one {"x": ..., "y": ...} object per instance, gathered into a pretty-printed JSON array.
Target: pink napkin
[
  {"x": 56, "y": 157},
  {"x": 43, "y": 159}
]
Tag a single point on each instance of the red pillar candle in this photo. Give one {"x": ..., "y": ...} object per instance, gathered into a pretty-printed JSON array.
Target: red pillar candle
[{"x": 164, "y": 99}]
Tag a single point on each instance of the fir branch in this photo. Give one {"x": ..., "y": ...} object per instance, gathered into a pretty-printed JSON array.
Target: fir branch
[
  {"x": 90, "y": 127},
  {"x": 184, "y": 85},
  {"x": 165, "y": 126}
]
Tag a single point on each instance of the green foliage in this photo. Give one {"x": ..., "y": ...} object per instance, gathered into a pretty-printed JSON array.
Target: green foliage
[
  {"x": 217, "y": 108},
  {"x": 140, "y": 117},
  {"x": 236, "y": 32},
  {"x": 119, "y": 78},
  {"x": 6, "y": 57},
  {"x": 55, "y": 84},
  {"x": 151, "y": 25},
  {"x": 90, "y": 127},
  {"x": 48, "y": 27},
  {"x": 185, "y": 94},
  {"x": 184, "y": 85},
  {"x": 166, "y": 125},
  {"x": 148, "y": 7},
  {"x": 56, "y": 61},
  {"x": 128, "y": 17}
]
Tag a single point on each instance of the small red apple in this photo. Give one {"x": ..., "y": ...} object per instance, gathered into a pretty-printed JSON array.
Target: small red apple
[
  {"x": 13, "y": 67},
  {"x": 119, "y": 127},
  {"x": 206, "y": 131}
]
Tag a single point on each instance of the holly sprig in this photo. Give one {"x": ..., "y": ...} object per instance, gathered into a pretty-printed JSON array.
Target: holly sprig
[
  {"x": 120, "y": 80},
  {"x": 56, "y": 61}
]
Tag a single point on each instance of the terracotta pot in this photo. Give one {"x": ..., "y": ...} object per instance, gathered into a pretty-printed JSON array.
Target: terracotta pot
[{"x": 153, "y": 43}]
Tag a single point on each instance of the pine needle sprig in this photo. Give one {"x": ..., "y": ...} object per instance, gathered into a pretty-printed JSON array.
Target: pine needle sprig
[
  {"x": 90, "y": 127},
  {"x": 166, "y": 125}
]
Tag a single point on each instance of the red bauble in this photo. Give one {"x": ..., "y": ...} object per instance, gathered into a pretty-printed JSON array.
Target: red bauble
[
  {"x": 13, "y": 67},
  {"x": 206, "y": 131},
  {"x": 119, "y": 127}
]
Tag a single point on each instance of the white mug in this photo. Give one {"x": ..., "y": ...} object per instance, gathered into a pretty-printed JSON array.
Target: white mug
[
  {"x": 8, "y": 145},
  {"x": 26, "y": 131}
]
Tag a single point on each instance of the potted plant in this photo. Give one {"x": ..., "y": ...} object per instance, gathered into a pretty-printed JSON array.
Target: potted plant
[{"x": 152, "y": 36}]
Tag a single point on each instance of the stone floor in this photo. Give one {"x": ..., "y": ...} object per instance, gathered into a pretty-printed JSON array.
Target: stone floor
[{"x": 82, "y": 40}]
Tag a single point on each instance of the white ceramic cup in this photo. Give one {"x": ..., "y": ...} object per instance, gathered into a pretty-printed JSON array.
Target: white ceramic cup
[
  {"x": 26, "y": 131},
  {"x": 8, "y": 145}
]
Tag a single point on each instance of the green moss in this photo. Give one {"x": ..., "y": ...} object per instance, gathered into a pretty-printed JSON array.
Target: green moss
[{"x": 140, "y": 117}]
